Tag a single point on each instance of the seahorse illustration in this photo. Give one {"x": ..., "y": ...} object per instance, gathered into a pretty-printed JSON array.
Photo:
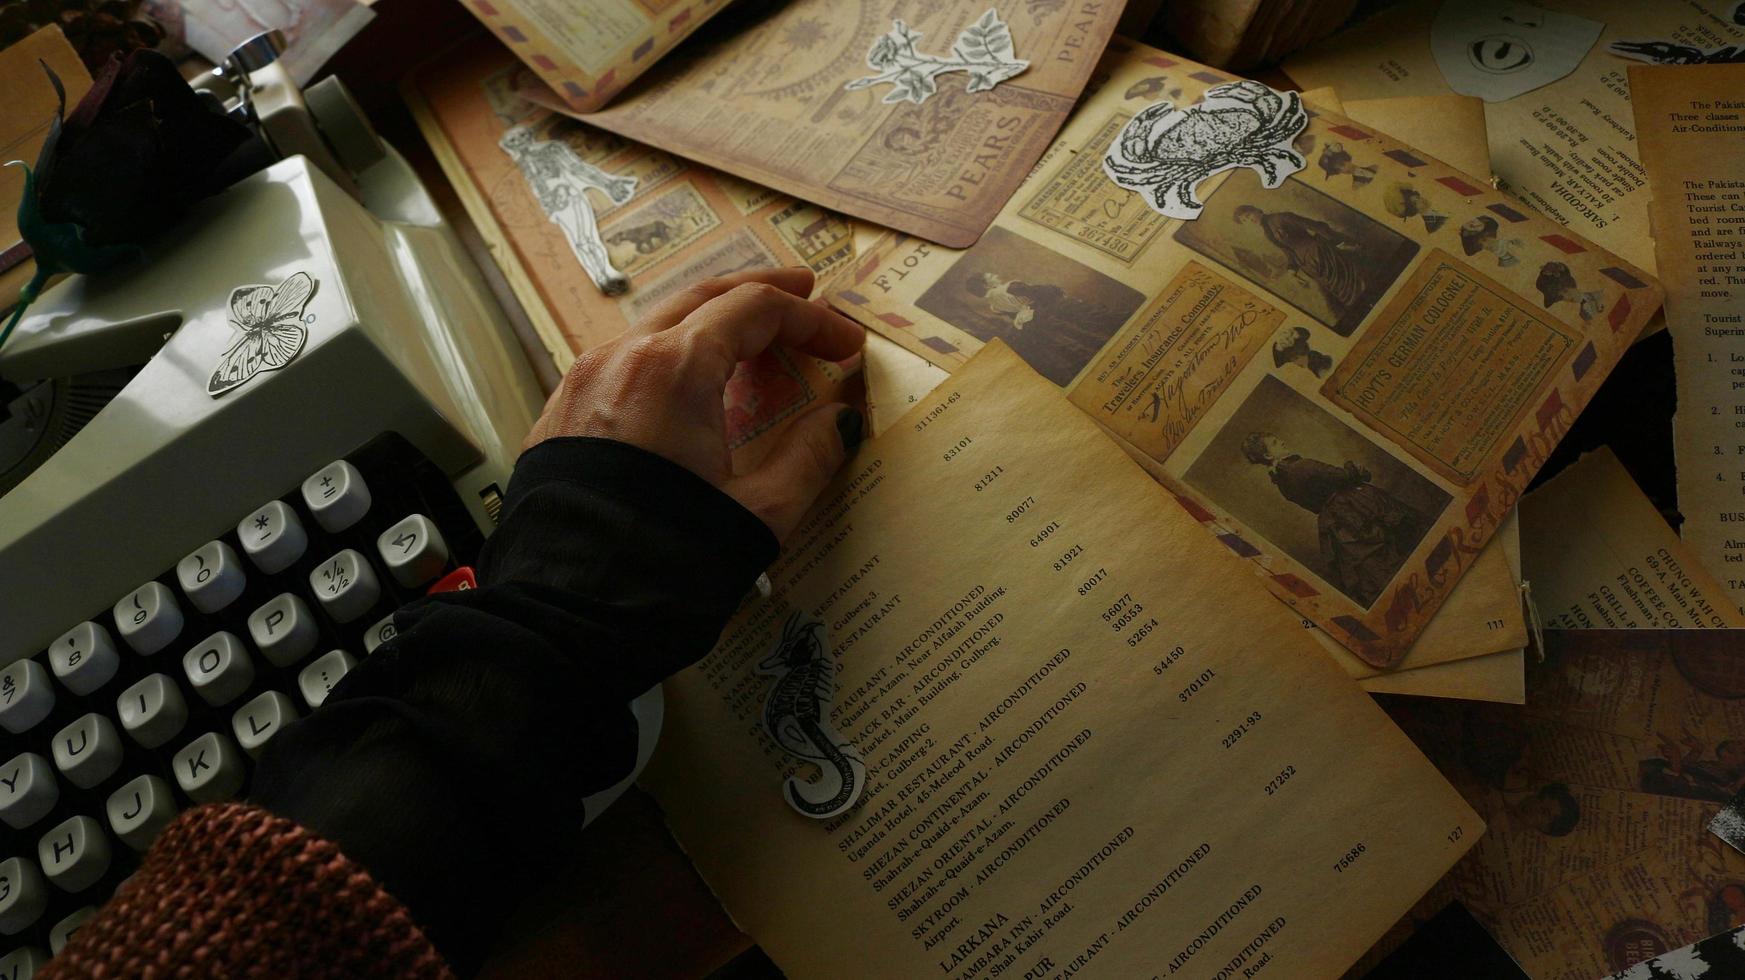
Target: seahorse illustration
[{"x": 794, "y": 713}]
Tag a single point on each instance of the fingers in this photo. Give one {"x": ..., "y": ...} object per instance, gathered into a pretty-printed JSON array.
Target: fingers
[
  {"x": 747, "y": 319},
  {"x": 789, "y": 479},
  {"x": 796, "y": 280}
]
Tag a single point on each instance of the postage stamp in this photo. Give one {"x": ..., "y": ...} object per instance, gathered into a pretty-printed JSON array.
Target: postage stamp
[
  {"x": 822, "y": 239},
  {"x": 644, "y": 236}
]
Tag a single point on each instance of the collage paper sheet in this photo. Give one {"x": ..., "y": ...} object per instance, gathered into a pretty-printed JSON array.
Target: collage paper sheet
[
  {"x": 770, "y": 101},
  {"x": 1338, "y": 377}
]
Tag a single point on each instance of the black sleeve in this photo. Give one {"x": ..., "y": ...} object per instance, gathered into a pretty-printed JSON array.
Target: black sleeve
[{"x": 452, "y": 762}]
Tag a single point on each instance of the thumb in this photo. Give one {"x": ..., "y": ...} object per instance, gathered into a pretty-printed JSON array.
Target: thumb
[{"x": 781, "y": 489}]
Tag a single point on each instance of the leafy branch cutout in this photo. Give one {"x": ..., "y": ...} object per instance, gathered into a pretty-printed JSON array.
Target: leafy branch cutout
[{"x": 984, "y": 50}]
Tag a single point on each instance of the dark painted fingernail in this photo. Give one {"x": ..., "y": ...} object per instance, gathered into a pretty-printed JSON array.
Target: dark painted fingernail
[{"x": 851, "y": 426}]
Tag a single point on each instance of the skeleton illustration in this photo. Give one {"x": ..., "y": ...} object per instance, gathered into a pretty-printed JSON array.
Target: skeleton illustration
[
  {"x": 1164, "y": 152},
  {"x": 983, "y": 49},
  {"x": 560, "y": 180},
  {"x": 794, "y": 713}
]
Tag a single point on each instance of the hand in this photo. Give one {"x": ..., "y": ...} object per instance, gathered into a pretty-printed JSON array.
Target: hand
[{"x": 659, "y": 386}]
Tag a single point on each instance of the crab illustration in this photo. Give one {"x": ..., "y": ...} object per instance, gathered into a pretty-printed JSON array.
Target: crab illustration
[{"x": 1165, "y": 152}]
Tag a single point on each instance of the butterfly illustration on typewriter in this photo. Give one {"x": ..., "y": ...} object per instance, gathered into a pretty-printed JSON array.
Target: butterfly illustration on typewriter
[{"x": 270, "y": 319}]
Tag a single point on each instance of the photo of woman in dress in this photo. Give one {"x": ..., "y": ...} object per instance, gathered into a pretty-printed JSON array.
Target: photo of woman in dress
[
  {"x": 1054, "y": 312},
  {"x": 1307, "y": 485},
  {"x": 1365, "y": 532},
  {"x": 1311, "y": 250}
]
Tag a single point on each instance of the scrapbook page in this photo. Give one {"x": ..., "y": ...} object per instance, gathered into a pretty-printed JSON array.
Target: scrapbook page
[
  {"x": 1471, "y": 649},
  {"x": 1349, "y": 373},
  {"x": 981, "y": 712},
  {"x": 678, "y": 223},
  {"x": 1563, "y": 137},
  {"x": 916, "y": 117}
]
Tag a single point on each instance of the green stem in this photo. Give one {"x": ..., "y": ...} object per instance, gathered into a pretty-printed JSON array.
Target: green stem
[{"x": 26, "y": 296}]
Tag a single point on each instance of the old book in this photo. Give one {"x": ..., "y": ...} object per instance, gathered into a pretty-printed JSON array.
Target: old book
[
  {"x": 1081, "y": 736},
  {"x": 1380, "y": 349}
]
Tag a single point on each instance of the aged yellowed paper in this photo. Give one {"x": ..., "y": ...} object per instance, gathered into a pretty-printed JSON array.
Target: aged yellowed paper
[
  {"x": 1482, "y": 615},
  {"x": 1450, "y": 127},
  {"x": 1569, "y": 149},
  {"x": 1496, "y": 677},
  {"x": 1599, "y": 556},
  {"x": 1598, "y": 793},
  {"x": 1452, "y": 657},
  {"x": 1349, "y": 377},
  {"x": 1692, "y": 123},
  {"x": 1481, "y": 620},
  {"x": 895, "y": 380},
  {"x": 1085, "y": 731},
  {"x": 588, "y": 50},
  {"x": 767, "y": 101}
]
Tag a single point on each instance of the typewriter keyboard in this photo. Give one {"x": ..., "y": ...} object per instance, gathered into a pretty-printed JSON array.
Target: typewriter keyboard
[{"x": 165, "y": 698}]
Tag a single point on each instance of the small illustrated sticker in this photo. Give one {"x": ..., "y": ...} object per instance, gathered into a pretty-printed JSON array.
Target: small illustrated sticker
[
  {"x": 1556, "y": 284},
  {"x": 983, "y": 50},
  {"x": 270, "y": 319},
  {"x": 794, "y": 713},
  {"x": 560, "y": 181},
  {"x": 1673, "y": 53},
  {"x": 1164, "y": 153},
  {"x": 1336, "y": 161},
  {"x": 1291, "y": 346},
  {"x": 1484, "y": 233},
  {"x": 1404, "y": 201},
  {"x": 1496, "y": 50}
]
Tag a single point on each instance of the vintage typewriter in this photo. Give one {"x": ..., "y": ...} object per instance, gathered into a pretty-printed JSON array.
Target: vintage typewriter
[{"x": 222, "y": 471}]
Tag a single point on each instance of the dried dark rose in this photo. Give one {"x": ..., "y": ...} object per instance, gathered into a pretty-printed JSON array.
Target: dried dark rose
[{"x": 134, "y": 154}]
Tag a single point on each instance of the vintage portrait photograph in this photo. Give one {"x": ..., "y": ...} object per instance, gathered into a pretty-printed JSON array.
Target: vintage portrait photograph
[
  {"x": 1056, "y": 313},
  {"x": 1318, "y": 490},
  {"x": 1321, "y": 256}
]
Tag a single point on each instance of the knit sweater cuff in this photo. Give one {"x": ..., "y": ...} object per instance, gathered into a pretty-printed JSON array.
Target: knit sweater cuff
[{"x": 233, "y": 890}]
